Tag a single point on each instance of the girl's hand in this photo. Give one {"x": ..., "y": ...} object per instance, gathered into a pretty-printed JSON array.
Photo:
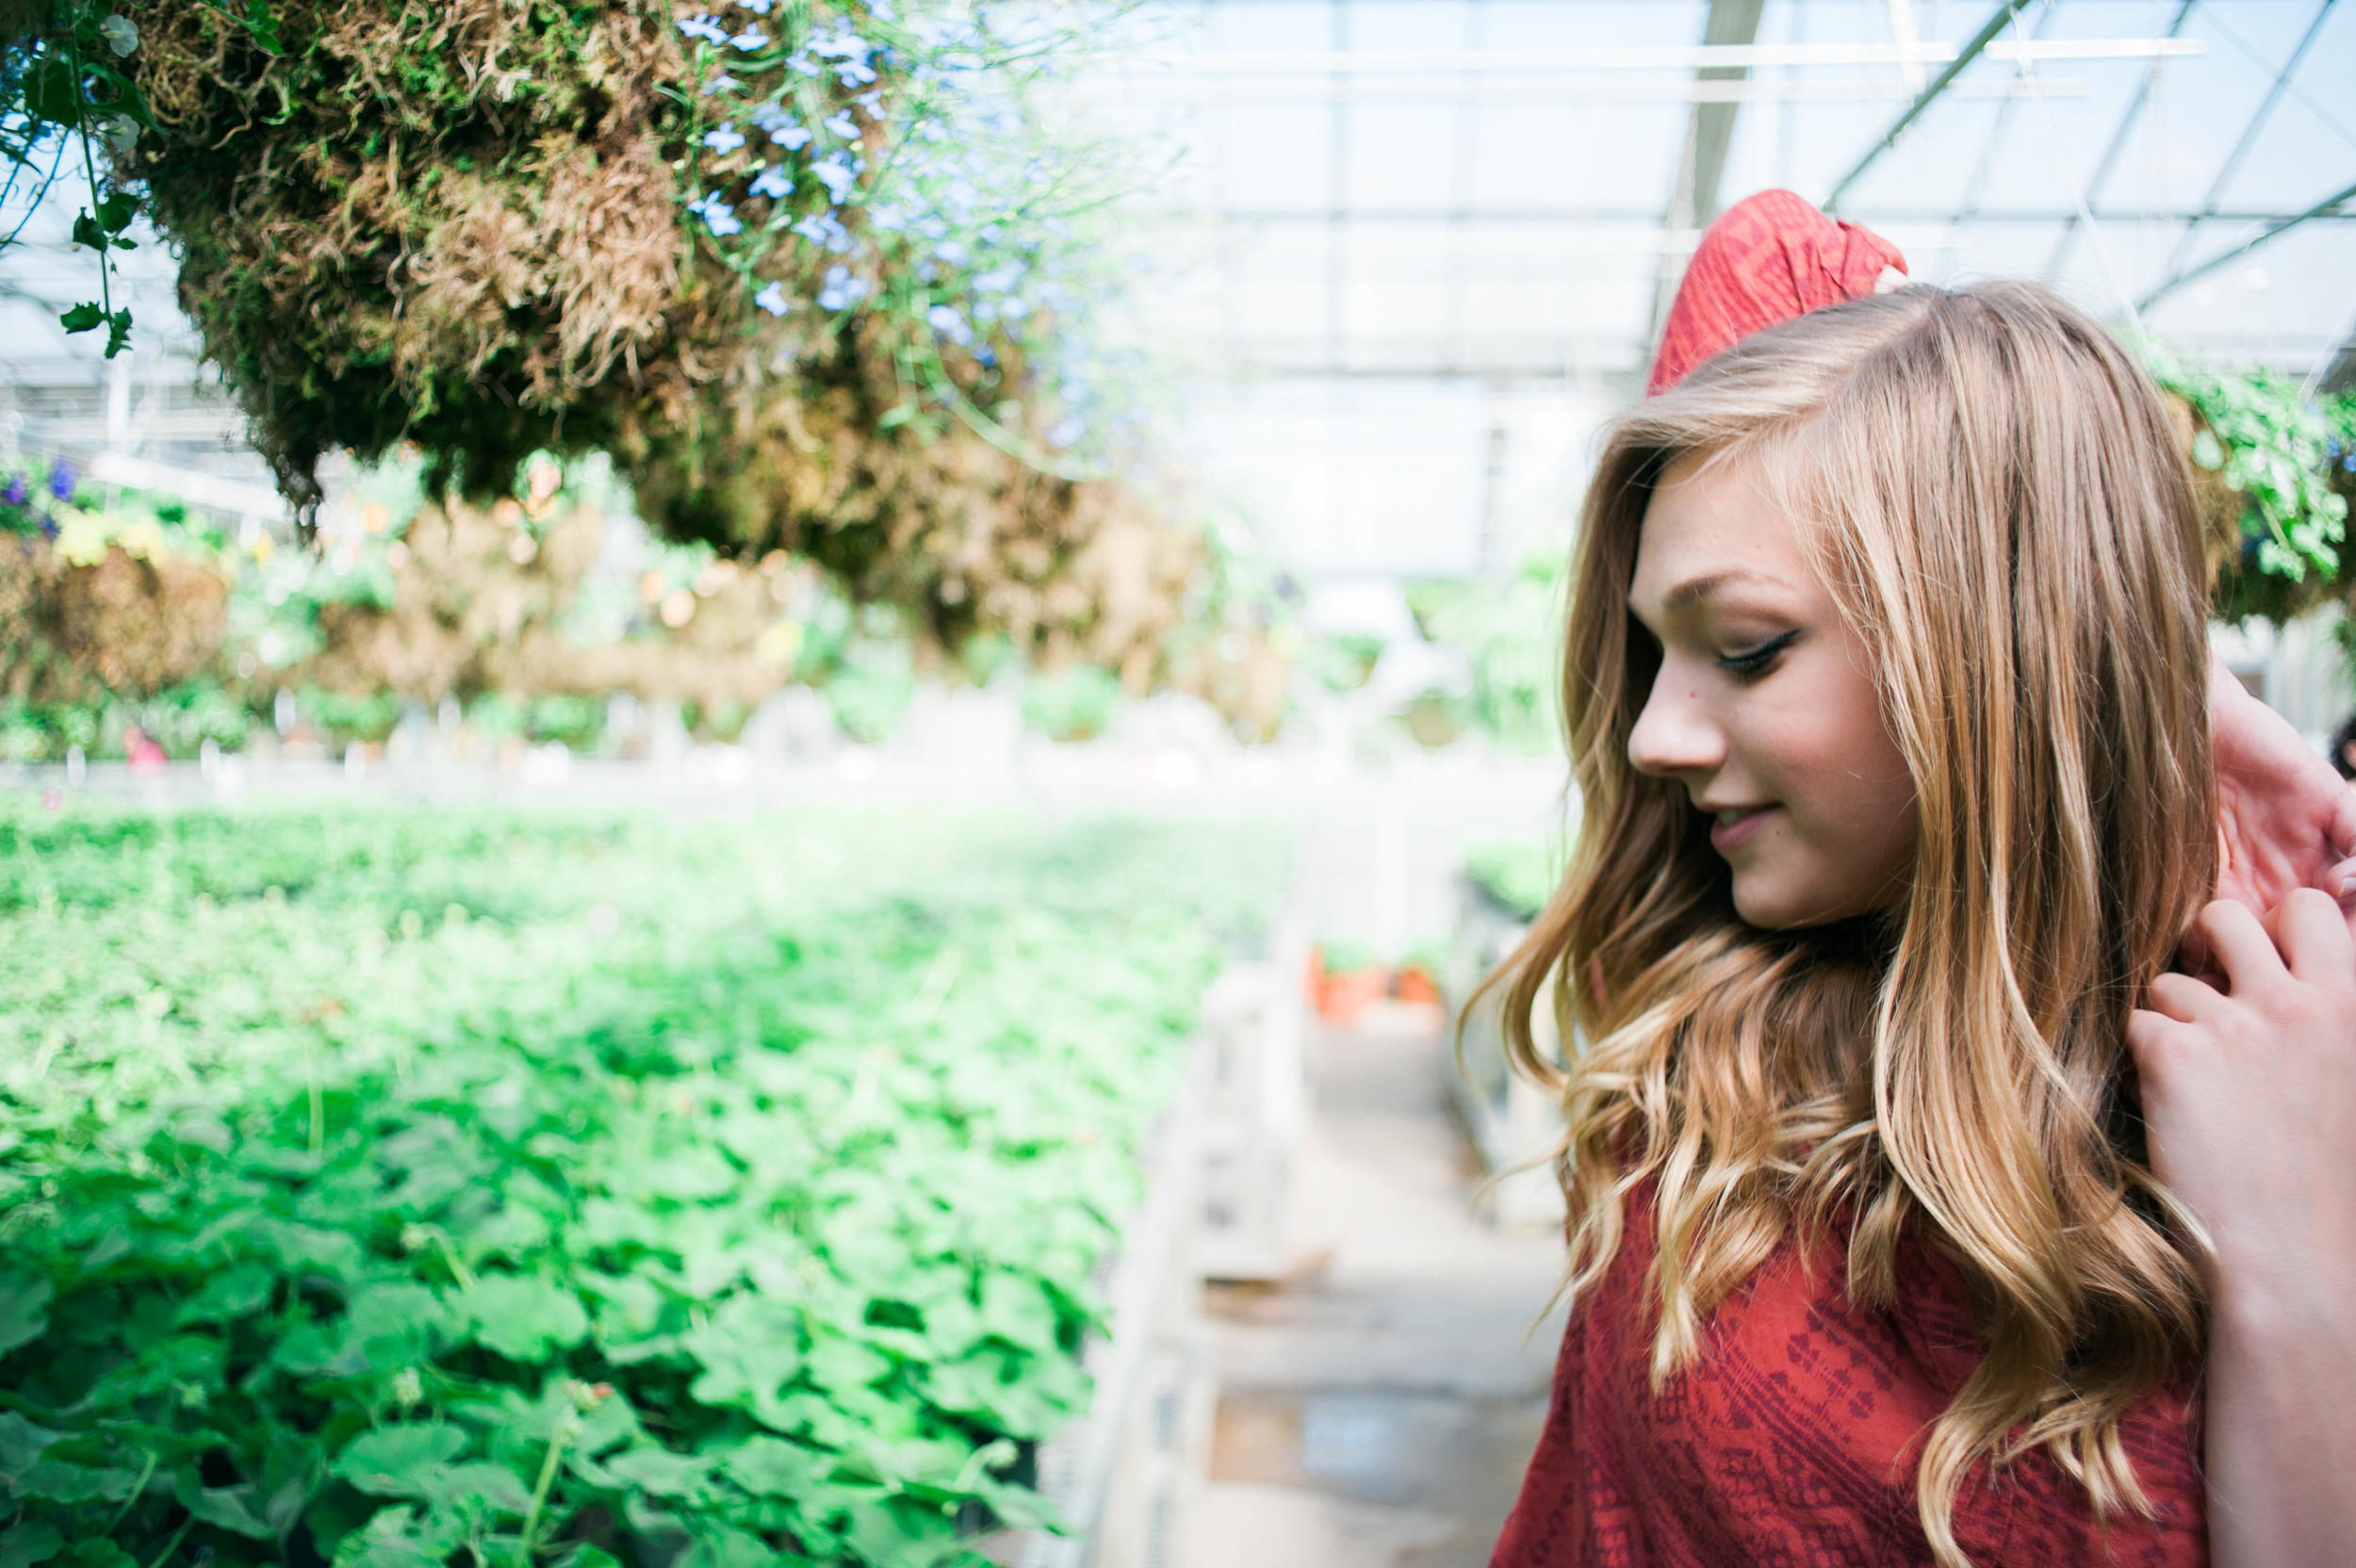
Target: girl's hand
[
  {"x": 2250, "y": 1098},
  {"x": 2286, "y": 819}
]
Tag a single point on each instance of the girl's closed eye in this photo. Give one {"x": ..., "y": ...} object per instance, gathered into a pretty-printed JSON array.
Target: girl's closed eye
[{"x": 1753, "y": 662}]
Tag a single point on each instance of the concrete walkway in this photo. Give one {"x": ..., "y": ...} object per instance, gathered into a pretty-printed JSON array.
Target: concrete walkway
[{"x": 1377, "y": 1406}]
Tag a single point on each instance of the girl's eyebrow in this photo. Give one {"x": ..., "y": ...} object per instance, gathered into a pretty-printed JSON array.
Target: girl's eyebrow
[{"x": 1694, "y": 590}]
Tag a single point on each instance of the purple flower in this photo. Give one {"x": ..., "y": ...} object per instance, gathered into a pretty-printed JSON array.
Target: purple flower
[
  {"x": 62, "y": 476},
  {"x": 19, "y": 487}
]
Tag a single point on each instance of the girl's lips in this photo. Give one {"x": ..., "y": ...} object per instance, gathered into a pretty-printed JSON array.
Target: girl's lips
[{"x": 1726, "y": 837}]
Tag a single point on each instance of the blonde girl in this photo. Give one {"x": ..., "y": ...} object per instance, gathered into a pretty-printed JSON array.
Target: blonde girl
[{"x": 1920, "y": 1209}]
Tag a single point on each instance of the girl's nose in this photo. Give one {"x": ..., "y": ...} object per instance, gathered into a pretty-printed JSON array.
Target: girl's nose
[{"x": 1675, "y": 735}]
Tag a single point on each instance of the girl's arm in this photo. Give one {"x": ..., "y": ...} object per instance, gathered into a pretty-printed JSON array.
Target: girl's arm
[{"x": 2249, "y": 1096}]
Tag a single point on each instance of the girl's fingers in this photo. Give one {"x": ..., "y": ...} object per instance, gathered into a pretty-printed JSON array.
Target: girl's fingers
[
  {"x": 2341, "y": 829},
  {"x": 2239, "y": 945},
  {"x": 2149, "y": 1037},
  {"x": 2311, "y": 934},
  {"x": 2183, "y": 998}
]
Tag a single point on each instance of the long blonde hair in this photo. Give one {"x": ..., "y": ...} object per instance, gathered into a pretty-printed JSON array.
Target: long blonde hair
[{"x": 1993, "y": 491}]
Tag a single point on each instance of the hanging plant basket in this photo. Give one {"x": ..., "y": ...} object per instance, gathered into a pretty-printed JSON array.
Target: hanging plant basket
[{"x": 766, "y": 255}]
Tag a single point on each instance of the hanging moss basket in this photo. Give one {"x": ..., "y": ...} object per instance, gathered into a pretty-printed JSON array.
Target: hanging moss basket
[{"x": 759, "y": 254}]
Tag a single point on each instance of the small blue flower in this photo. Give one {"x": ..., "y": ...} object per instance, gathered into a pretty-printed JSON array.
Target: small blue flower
[
  {"x": 840, "y": 289},
  {"x": 1064, "y": 431},
  {"x": 1014, "y": 307},
  {"x": 773, "y": 300},
  {"x": 854, "y": 73},
  {"x": 19, "y": 487},
  {"x": 947, "y": 322},
  {"x": 951, "y": 251},
  {"x": 722, "y": 83},
  {"x": 891, "y": 220},
  {"x": 62, "y": 476},
  {"x": 718, "y": 214},
  {"x": 723, "y": 139},
  {"x": 824, "y": 229},
  {"x": 841, "y": 124},
  {"x": 758, "y": 8},
  {"x": 704, "y": 27},
  {"x": 750, "y": 40},
  {"x": 801, "y": 62},
  {"x": 774, "y": 182},
  {"x": 836, "y": 175},
  {"x": 872, "y": 104}
]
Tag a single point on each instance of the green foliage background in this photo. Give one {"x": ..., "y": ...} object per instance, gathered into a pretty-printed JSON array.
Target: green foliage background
[{"x": 400, "y": 1191}]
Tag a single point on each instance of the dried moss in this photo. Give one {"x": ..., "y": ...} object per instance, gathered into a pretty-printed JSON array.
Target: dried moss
[
  {"x": 121, "y": 624},
  {"x": 462, "y": 226}
]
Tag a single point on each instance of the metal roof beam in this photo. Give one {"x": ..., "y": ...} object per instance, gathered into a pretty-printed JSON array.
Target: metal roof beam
[
  {"x": 1970, "y": 52},
  {"x": 2325, "y": 208},
  {"x": 2118, "y": 145},
  {"x": 1693, "y": 200},
  {"x": 2249, "y": 132}
]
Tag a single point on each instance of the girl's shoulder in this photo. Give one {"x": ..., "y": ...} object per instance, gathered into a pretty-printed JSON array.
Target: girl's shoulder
[{"x": 1795, "y": 1435}]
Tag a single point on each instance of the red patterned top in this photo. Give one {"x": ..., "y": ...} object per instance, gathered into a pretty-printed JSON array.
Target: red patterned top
[
  {"x": 1769, "y": 258},
  {"x": 1794, "y": 1438}
]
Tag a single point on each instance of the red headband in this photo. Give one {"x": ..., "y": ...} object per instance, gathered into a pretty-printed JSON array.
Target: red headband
[{"x": 1768, "y": 258}]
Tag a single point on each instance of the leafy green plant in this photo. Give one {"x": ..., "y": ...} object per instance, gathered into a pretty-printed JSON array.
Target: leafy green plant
[
  {"x": 397, "y": 1191},
  {"x": 1072, "y": 704},
  {"x": 2283, "y": 523},
  {"x": 1519, "y": 876},
  {"x": 1511, "y": 634}
]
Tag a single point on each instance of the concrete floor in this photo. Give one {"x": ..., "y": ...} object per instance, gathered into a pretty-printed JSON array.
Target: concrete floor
[{"x": 1377, "y": 1405}]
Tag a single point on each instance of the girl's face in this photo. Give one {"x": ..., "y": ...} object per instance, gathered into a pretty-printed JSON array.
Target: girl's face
[{"x": 1765, "y": 708}]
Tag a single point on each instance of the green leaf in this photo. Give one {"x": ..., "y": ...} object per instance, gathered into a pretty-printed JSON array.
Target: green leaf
[
  {"x": 398, "y": 1462},
  {"x": 116, "y": 211},
  {"x": 524, "y": 1320},
  {"x": 1017, "y": 1309},
  {"x": 96, "y": 1554},
  {"x": 20, "y": 1444},
  {"x": 230, "y": 1508},
  {"x": 23, "y": 1319},
  {"x": 480, "y": 1485},
  {"x": 22, "y": 1546},
  {"x": 53, "y": 93},
  {"x": 237, "y": 1292},
  {"x": 659, "y": 1471},
  {"x": 86, "y": 233},
  {"x": 61, "y": 1483},
  {"x": 750, "y": 1347},
  {"x": 770, "y": 1466}
]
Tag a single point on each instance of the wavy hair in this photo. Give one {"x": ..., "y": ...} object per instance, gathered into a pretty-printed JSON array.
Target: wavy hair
[{"x": 1993, "y": 492}]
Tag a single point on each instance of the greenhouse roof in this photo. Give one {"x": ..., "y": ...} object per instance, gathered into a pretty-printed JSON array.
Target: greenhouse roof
[
  {"x": 1507, "y": 189},
  {"x": 1416, "y": 249}
]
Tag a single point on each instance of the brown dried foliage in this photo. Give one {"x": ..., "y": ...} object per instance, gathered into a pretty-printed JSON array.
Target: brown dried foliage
[
  {"x": 467, "y": 618},
  {"x": 123, "y": 625}
]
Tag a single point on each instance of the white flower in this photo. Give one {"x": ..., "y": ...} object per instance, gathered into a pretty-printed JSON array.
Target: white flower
[
  {"x": 120, "y": 35},
  {"x": 122, "y": 132}
]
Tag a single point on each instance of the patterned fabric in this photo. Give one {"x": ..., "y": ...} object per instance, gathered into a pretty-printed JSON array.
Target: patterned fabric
[
  {"x": 1769, "y": 258},
  {"x": 1794, "y": 1438}
]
